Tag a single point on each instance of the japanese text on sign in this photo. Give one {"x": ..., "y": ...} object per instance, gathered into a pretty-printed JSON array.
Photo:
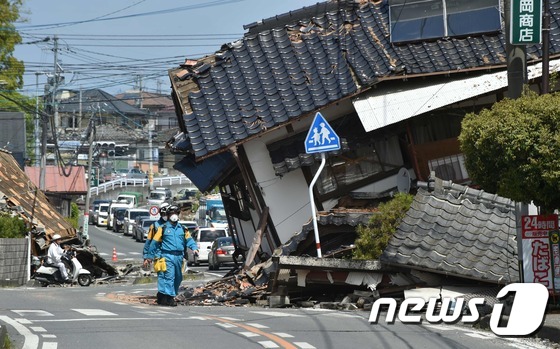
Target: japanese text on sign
[
  {"x": 525, "y": 22},
  {"x": 538, "y": 264}
]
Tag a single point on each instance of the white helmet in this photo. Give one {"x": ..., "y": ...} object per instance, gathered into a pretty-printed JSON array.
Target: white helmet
[{"x": 56, "y": 237}]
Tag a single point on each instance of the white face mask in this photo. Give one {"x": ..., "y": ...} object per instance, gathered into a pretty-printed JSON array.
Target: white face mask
[
  {"x": 174, "y": 218},
  {"x": 164, "y": 218}
]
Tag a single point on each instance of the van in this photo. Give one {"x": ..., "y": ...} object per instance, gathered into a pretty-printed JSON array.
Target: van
[
  {"x": 130, "y": 218},
  {"x": 113, "y": 206},
  {"x": 204, "y": 238},
  {"x": 133, "y": 198},
  {"x": 94, "y": 210},
  {"x": 102, "y": 214}
]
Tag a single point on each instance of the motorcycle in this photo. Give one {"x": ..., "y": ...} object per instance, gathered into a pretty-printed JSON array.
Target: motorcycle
[{"x": 48, "y": 274}]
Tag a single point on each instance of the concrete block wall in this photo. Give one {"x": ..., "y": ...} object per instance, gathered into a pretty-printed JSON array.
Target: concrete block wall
[{"x": 13, "y": 262}]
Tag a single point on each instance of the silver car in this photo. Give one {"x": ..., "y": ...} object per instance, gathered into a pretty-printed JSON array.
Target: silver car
[{"x": 141, "y": 229}]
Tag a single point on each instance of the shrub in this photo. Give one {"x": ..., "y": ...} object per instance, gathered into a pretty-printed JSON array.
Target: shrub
[
  {"x": 12, "y": 227},
  {"x": 374, "y": 237}
]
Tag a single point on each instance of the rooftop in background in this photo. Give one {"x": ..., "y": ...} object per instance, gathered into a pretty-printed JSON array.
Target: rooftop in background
[{"x": 57, "y": 182}]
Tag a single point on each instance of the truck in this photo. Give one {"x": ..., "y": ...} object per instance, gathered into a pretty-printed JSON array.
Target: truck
[
  {"x": 133, "y": 198},
  {"x": 212, "y": 209}
]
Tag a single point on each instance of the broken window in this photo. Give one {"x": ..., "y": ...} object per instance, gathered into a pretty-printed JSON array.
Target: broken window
[{"x": 365, "y": 159}]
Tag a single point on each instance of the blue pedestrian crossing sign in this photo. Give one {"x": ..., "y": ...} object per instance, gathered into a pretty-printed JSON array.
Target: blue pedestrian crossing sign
[{"x": 321, "y": 137}]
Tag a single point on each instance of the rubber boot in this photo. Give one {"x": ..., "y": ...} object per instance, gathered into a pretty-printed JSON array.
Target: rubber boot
[
  {"x": 159, "y": 297},
  {"x": 171, "y": 301}
]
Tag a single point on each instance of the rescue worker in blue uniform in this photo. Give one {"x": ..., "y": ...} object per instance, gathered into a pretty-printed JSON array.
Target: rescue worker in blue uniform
[
  {"x": 171, "y": 241},
  {"x": 151, "y": 232}
]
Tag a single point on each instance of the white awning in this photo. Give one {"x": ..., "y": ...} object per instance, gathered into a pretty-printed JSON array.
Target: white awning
[{"x": 384, "y": 107}]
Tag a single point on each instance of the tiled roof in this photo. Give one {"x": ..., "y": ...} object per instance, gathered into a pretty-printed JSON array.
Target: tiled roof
[
  {"x": 57, "y": 182},
  {"x": 272, "y": 76},
  {"x": 98, "y": 100},
  {"x": 458, "y": 231}
]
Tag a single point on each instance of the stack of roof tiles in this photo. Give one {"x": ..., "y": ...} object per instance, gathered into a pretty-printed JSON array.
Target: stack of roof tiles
[{"x": 458, "y": 231}]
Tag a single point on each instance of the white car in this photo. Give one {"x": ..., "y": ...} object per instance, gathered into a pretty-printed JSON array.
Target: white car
[
  {"x": 204, "y": 238},
  {"x": 102, "y": 214},
  {"x": 130, "y": 218}
]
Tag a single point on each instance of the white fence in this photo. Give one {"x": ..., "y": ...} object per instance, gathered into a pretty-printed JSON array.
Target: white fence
[{"x": 124, "y": 183}]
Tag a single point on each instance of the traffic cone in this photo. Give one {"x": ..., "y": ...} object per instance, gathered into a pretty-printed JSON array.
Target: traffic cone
[{"x": 115, "y": 254}]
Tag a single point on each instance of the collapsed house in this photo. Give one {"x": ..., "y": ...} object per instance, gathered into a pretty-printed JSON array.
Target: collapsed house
[
  {"x": 397, "y": 106},
  {"x": 454, "y": 240}
]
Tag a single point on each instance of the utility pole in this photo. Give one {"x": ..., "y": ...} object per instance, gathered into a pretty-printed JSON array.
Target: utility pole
[
  {"x": 45, "y": 127},
  {"x": 56, "y": 76},
  {"x": 37, "y": 161},
  {"x": 545, "y": 49},
  {"x": 150, "y": 169},
  {"x": 91, "y": 138}
]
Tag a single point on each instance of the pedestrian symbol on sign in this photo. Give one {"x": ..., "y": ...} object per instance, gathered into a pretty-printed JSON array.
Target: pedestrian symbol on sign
[{"x": 321, "y": 137}]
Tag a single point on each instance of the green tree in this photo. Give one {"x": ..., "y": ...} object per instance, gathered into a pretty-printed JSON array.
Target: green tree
[
  {"x": 74, "y": 215},
  {"x": 374, "y": 237},
  {"x": 513, "y": 149},
  {"x": 11, "y": 227},
  {"x": 11, "y": 69}
]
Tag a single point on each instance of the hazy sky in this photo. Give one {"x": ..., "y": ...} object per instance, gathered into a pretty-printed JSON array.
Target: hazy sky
[{"x": 108, "y": 44}]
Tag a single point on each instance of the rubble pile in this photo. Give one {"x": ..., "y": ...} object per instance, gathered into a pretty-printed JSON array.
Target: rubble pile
[{"x": 233, "y": 290}]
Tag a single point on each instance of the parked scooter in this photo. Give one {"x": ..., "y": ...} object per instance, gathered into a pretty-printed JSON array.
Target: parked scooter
[{"x": 48, "y": 274}]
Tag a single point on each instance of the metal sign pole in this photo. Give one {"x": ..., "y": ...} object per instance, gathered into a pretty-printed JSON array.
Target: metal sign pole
[
  {"x": 320, "y": 139},
  {"x": 312, "y": 203}
]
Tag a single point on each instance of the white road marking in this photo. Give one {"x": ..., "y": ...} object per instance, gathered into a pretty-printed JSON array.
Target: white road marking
[
  {"x": 283, "y": 335},
  {"x": 256, "y": 325},
  {"x": 48, "y": 336},
  {"x": 50, "y": 345},
  {"x": 120, "y": 303},
  {"x": 477, "y": 335},
  {"x": 304, "y": 345},
  {"x": 31, "y": 341},
  {"x": 269, "y": 344},
  {"x": 249, "y": 334},
  {"x": 276, "y": 313},
  {"x": 32, "y": 312},
  {"x": 225, "y": 324},
  {"x": 94, "y": 312},
  {"x": 23, "y": 321},
  {"x": 37, "y": 329},
  {"x": 438, "y": 327},
  {"x": 229, "y": 318},
  {"x": 198, "y": 318}
]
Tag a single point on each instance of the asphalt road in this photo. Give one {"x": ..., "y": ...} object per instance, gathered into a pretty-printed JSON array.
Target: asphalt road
[{"x": 95, "y": 317}]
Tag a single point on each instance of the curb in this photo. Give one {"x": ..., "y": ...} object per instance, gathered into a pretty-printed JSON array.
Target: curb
[{"x": 3, "y": 335}]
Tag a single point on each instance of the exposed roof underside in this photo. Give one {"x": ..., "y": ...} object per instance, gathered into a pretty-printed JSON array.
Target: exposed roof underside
[
  {"x": 272, "y": 76},
  {"x": 18, "y": 190}
]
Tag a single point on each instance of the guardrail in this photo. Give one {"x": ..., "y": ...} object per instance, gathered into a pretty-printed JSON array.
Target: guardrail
[{"x": 123, "y": 183}]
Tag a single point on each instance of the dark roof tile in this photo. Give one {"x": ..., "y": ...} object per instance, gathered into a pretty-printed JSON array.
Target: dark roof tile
[
  {"x": 458, "y": 233},
  {"x": 352, "y": 38}
]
